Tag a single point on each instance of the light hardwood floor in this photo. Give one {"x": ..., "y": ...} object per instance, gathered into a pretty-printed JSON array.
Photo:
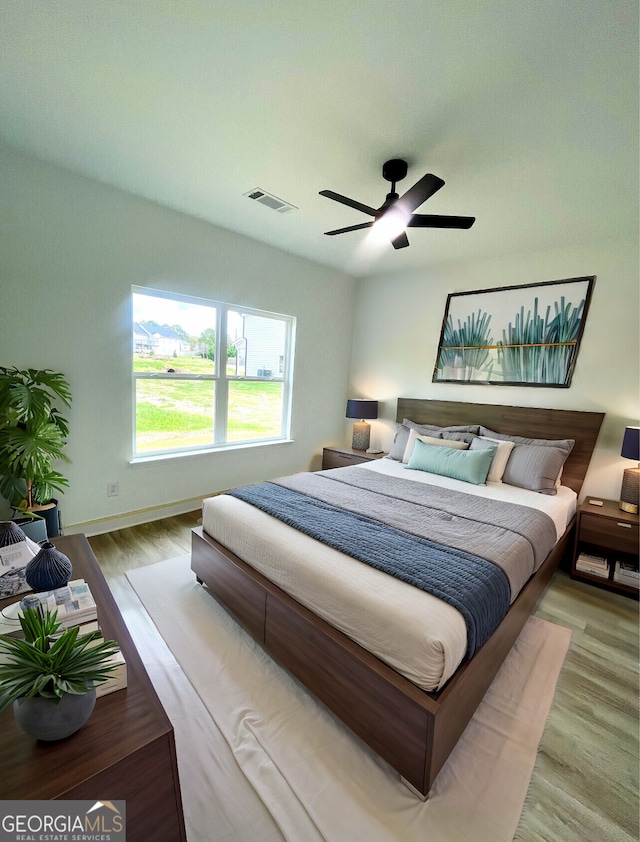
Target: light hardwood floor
[{"x": 585, "y": 783}]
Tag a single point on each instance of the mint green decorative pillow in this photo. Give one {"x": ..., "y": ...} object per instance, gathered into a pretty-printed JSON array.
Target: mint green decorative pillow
[{"x": 466, "y": 465}]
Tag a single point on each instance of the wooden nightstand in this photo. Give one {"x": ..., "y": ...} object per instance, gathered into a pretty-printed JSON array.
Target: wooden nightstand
[
  {"x": 606, "y": 532},
  {"x": 338, "y": 457}
]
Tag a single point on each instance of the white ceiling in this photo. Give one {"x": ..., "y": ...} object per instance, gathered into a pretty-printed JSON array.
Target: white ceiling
[{"x": 528, "y": 109}]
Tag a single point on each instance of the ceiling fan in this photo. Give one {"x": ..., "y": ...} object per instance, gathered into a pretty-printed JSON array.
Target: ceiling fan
[{"x": 396, "y": 212}]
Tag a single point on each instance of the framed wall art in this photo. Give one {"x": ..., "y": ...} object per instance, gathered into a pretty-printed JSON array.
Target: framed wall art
[{"x": 514, "y": 336}]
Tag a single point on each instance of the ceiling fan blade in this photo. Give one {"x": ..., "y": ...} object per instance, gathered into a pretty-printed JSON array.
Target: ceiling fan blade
[
  {"x": 401, "y": 241},
  {"x": 345, "y": 200},
  {"x": 350, "y": 228},
  {"x": 419, "y": 193},
  {"x": 425, "y": 220}
]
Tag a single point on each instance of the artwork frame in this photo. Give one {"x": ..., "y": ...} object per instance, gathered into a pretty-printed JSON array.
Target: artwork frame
[{"x": 541, "y": 330}]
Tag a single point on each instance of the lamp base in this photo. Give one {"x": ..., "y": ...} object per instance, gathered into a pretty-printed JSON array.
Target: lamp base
[
  {"x": 361, "y": 435},
  {"x": 630, "y": 491}
]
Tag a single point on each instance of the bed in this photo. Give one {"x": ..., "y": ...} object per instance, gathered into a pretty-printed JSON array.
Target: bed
[{"x": 411, "y": 719}]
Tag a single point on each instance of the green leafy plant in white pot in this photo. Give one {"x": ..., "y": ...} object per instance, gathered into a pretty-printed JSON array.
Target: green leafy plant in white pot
[
  {"x": 33, "y": 434},
  {"x": 50, "y": 676}
]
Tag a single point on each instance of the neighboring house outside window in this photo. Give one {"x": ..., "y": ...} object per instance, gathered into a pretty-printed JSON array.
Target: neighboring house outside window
[
  {"x": 157, "y": 340},
  {"x": 208, "y": 374}
]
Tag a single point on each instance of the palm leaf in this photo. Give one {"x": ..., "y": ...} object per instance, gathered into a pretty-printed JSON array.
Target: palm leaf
[{"x": 32, "y": 433}]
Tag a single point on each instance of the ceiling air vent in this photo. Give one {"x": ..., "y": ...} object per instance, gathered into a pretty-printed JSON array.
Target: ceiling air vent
[{"x": 270, "y": 200}]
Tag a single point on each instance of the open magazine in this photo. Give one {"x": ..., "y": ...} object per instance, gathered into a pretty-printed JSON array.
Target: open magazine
[{"x": 13, "y": 561}]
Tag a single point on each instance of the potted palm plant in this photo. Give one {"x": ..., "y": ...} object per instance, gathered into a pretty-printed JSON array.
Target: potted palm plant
[
  {"x": 32, "y": 437},
  {"x": 50, "y": 677}
]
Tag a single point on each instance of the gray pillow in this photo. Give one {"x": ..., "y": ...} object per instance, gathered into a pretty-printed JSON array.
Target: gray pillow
[
  {"x": 563, "y": 444},
  {"x": 500, "y": 459},
  {"x": 399, "y": 443},
  {"x": 454, "y": 436},
  {"x": 461, "y": 433},
  {"x": 534, "y": 463},
  {"x": 427, "y": 429},
  {"x": 534, "y": 467}
]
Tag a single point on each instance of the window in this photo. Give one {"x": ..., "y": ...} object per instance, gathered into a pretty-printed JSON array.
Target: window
[{"x": 207, "y": 374}]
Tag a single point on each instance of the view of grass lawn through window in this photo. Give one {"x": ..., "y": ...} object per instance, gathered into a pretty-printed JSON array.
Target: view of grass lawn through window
[{"x": 176, "y": 383}]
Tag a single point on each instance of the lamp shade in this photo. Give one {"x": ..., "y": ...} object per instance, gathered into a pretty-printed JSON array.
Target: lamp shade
[
  {"x": 362, "y": 409},
  {"x": 631, "y": 444}
]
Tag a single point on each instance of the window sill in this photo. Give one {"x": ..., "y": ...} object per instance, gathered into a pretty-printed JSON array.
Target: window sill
[{"x": 223, "y": 448}]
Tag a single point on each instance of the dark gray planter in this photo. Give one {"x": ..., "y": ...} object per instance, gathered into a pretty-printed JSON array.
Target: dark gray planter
[
  {"x": 43, "y": 527},
  {"x": 50, "y": 720},
  {"x": 33, "y": 528},
  {"x": 52, "y": 519}
]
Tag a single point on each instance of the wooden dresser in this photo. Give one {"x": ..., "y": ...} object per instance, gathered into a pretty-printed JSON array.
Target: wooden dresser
[{"x": 125, "y": 751}]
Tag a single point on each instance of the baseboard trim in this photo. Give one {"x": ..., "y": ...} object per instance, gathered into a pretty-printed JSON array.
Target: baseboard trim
[{"x": 110, "y": 524}]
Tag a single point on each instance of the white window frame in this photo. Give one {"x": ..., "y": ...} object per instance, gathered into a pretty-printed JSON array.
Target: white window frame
[{"x": 220, "y": 378}]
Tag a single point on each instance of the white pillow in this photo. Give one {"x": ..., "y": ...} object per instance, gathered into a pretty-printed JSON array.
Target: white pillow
[
  {"x": 500, "y": 458},
  {"x": 413, "y": 435}
]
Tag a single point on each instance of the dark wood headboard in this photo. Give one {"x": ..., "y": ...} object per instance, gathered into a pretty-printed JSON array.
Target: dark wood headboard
[{"x": 528, "y": 421}]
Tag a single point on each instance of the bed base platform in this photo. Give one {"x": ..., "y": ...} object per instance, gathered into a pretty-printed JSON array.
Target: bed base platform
[{"x": 414, "y": 731}]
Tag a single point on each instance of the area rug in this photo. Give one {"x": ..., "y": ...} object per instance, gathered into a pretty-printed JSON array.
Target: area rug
[{"x": 277, "y": 764}]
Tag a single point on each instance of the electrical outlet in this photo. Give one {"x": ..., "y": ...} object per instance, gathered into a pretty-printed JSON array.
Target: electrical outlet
[{"x": 112, "y": 489}]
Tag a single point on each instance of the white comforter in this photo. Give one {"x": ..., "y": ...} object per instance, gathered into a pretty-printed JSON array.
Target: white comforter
[{"x": 417, "y": 634}]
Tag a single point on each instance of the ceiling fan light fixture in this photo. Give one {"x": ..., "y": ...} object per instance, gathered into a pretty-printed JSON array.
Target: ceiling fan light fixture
[
  {"x": 397, "y": 212},
  {"x": 390, "y": 225}
]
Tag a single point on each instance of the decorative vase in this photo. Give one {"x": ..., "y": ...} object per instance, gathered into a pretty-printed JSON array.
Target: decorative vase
[
  {"x": 10, "y": 533},
  {"x": 48, "y": 570},
  {"x": 52, "y": 719}
]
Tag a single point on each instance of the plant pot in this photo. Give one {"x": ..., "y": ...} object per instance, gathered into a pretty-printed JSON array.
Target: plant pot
[
  {"x": 51, "y": 515},
  {"x": 33, "y": 528},
  {"x": 45, "y": 525},
  {"x": 51, "y": 719}
]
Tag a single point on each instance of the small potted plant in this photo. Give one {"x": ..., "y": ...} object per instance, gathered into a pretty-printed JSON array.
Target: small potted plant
[
  {"x": 50, "y": 677},
  {"x": 32, "y": 437}
]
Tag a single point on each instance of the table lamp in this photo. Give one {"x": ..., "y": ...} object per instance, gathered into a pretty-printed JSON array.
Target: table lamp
[
  {"x": 631, "y": 477},
  {"x": 361, "y": 430}
]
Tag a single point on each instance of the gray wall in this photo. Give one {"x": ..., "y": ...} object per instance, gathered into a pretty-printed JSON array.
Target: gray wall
[
  {"x": 400, "y": 316},
  {"x": 70, "y": 249}
]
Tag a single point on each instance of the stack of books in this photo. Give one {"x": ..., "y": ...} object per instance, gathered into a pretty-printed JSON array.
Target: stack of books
[
  {"x": 73, "y": 602},
  {"x": 593, "y": 564},
  {"x": 626, "y": 574},
  {"x": 118, "y": 678},
  {"x": 77, "y": 607}
]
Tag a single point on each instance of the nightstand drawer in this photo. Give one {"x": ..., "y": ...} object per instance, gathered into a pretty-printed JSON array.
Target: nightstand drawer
[
  {"x": 338, "y": 459},
  {"x": 610, "y": 533}
]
